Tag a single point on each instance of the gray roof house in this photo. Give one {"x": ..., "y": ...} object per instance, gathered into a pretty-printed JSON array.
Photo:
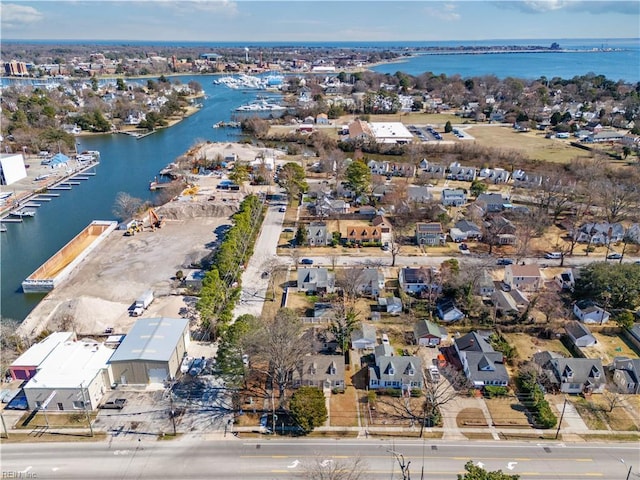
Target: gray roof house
[
  {"x": 626, "y": 374},
  {"x": 315, "y": 280},
  {"x": 462, "y": 173},
  {"x": 453, "y": 197},
  {"x": 588, "y": 311},
  {"x": 481, "y": 364},
  {"x": 364, "y": 338},
  {"x": 430, "y": 234},
  {"x": 434, "y": 170},
  {"x": 418, "y": 194},
  {"x": 371, "y": 282},
  {"x": 494, "y": 175},
  {"x": 429, "y": 334},
  {"x": 321, "y": 371},
  {"x": 151, "y": 352},
  {"x": 469, "y": 229},
  {"x": 491, "y": 202},
  {"x": 448, "y": 312},
  {"x": 391, "y": 304},
  {"x": 601, "y": 233},
  {"x": 391, "y": 371},
  {"x": 317, "y": 234},
  {"x": 578, "y": 375},
  {"x": 418, "y": 280},
  {"x": 579, "y": 334}
]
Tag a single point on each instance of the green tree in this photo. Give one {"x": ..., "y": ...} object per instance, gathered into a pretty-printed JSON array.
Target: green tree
[
  {"x": 358, "y": 177},
  {"x": 447, "y": 127},
  {"x": 474, "y": 472},
  {"x": 94, "y": 84},
  {"x": 308, "y": 408},
  {"x": 301, "y": 235},
  {"x": 120, "y": 85},
  {"x": 478, "y": 187},
  {"x": 344, "y": 322},
  {"x": 625, "y": 319},
  {"x": 292, "y": 179},
  {"x": 239, "y": 174},
  {"x": 616, "y": 285}
]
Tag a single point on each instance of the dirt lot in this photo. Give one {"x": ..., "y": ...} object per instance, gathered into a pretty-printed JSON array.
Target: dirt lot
[{"x": 608, "y": 347}]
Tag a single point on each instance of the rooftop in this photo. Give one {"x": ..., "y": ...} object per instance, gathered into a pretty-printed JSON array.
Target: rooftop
[
  {"x": 38, "y": 352},
  {"x": 151, "y": 339}
]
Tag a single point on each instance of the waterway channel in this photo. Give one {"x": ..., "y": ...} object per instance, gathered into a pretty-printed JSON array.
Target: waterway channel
[{"x": 127, "y": 165}]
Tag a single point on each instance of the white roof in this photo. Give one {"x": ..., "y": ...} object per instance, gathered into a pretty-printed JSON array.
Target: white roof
[
  {"x": 71, "y": 364},
  {"x": 390, "y": 131},
  {"x": 36, "y": 354}
]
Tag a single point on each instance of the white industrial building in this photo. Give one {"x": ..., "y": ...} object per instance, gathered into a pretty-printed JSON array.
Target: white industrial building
[
  {"x": 12, "y": 168},
  {"x": 74, "y": 376},
  {"x": 390, "y": 132}
]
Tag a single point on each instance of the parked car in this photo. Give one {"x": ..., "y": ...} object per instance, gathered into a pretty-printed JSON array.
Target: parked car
[
  {"x": 504, "y": 261},
  {"x": 614, "y": 256},
  {"x": 282, "y": 209},
  {"x": 117, "y": 404},
  {"x": 306, "y": 261},
  {"x": 197, "y": 366},
  {"x": 553, "y": 255}
]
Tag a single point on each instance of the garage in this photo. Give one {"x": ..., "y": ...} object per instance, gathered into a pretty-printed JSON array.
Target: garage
[{"x": 151, "y": 352}]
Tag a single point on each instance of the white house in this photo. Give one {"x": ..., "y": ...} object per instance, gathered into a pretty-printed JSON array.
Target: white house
[
  {"x": 588, "y": 311},
  {"x": 453, "y": 197}
]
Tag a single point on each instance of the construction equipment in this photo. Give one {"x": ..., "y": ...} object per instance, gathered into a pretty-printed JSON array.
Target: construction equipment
[
  {"x": 155, "y": 220},
  {"x": 133, "y": 229}
]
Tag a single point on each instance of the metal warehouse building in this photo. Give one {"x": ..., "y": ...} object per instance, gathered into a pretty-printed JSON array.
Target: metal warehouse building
[{"x": 151, "y": 352}]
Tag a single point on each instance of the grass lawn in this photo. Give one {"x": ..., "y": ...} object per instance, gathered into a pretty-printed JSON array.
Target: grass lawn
[
  {"x": 609, "y": 345},
  {"x": 507, "y": 412},
  {"x": 300, "y": 302},
  {"x": 533, "y": 144},
  {"x": 471, "y": 417},
  {"x": 526, "y": 345},
  {"x": 54, "y": 437},
  {"x": 55, "y": 420},
  {"x": 594, "y": 412},
  {"x": 343, "y": 409}
]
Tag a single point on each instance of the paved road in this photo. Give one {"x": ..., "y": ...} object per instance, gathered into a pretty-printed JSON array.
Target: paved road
[{"x": 274, "y": 459}]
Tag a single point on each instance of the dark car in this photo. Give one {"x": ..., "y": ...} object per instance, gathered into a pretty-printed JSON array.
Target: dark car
[
  {"x": 504, "y": 261},
  {"x": 614, "y": 256},
  {"x": 117, "y": 404},
  {"x": 306, "y": 261}
]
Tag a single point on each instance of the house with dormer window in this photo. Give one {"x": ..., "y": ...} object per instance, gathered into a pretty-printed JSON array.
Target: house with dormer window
[
  {"x": 322, "y": 371},
  {"x": 317, "y": 234},
  {"x": 397, "y": 372},
  {"x": 362, "y": 234},
  {"x": 626, "y": 374},
  {"x": 481, "y": 364},
  {"x": 578, "y": 375}
]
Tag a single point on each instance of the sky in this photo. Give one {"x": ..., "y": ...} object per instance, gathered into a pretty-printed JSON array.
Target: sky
[{"x": 318, "y": 20}]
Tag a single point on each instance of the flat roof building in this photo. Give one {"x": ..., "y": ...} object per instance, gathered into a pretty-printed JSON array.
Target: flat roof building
[{"x": 26, "y": 365}]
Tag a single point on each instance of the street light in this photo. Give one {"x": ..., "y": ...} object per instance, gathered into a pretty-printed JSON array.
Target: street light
[{"x": 630, "y": 467}]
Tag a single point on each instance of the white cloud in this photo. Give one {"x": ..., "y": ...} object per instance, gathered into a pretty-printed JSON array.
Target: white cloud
[
  {"x": 544, "y": 5},
  {"x": 446, "y": 12},
  {"x": 586, "y": 6},
  {"x": 16, "y": 16},
  {"x": 219, "y": 7}
]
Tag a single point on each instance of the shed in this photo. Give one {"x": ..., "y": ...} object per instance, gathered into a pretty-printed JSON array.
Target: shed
[
  {"x": 151, "y": 352},
  {"x": 428, "y": 333}
]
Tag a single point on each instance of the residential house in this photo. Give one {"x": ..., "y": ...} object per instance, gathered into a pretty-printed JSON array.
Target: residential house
[
  {"x": 317, "y": 235},
  {"x": 470, "y": 230},
  {"x": 603, "y": 233},
  {"x": 453, "y": 197},
  {"x": 322, "y": 119},
  {"x": 461, "y": 173},
  {"x": 363, "y": 234},
  {"x": 435, "y": 170},
  {"x": 578, "y": 375},
  {"x": 371, "y": 282},
  {"x": 503, "y": 229},
  {"x": 579, "y": 334},
  {"x": 429, "y": 334},
  {"x": 482, "y": 365},
  {"x": 486, "y": 285},
  {"x": 504, "y": 302},
  {"x": 391, "y": 305},
  {"x": 151, "y": 352},
  {"x": 523, "y": 277},
  {"x": 418, "y": 194},
  {"x": 364, "y": 337},
  {"x": 73, "y": 377},
  {"x": 379, "y": 168},
  {"x": 26, "y": 365},
  {"x": 360, "y": 130},
  {"x": 566, "y": 280},
  {"x": 391, "y": 371},
  {"x": 448, "y": 312},
  {"x": 430, "y": 234},
  {"x": 323, "y": 311},
  {"x": 626, "y": 374},
  {"x": 418, "y": 280},
  {"x": 315, "y": 280},
  {"x": 528, "y": 180},
  {"x": 402, "y": 170},
  {"x": 328, "y": 206},
  {"x": 492, "y": 202},
  {"x": 321, "y": 371},
  {"x": 588, "y": 311},
  {"x": 494, "y": 175},
  {"x": 382, "y": 223}
]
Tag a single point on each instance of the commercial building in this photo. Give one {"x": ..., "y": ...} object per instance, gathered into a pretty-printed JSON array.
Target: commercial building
[
  {"x": 26, "y": 365},
  {"x": 151, "y": 352}
]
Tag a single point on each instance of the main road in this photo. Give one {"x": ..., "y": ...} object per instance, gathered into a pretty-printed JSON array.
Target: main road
[{"x": 191, "y": 458}]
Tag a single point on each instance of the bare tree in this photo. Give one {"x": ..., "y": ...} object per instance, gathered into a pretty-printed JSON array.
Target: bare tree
[
  {"x": 439, "y": 393},
  {"x": 279, "y": 347},
  {"x": 334, "y": 469},
  {"x": 613, "y": 399},
  {"x": 126, "y": 206},
  {"x": 350, "y": 280},
  {"x": 333, "y": 259},
  {"x": 294, "y": 253},
  {"x": 274, "y": 269}
]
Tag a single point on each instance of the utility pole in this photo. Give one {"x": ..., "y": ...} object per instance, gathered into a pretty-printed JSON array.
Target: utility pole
[
  {"x": 86, "y": 410},
  {"x": 4, "y": 426},
  {"x": 172, "y": 412},
  {"x": 564, "y": 405}
]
